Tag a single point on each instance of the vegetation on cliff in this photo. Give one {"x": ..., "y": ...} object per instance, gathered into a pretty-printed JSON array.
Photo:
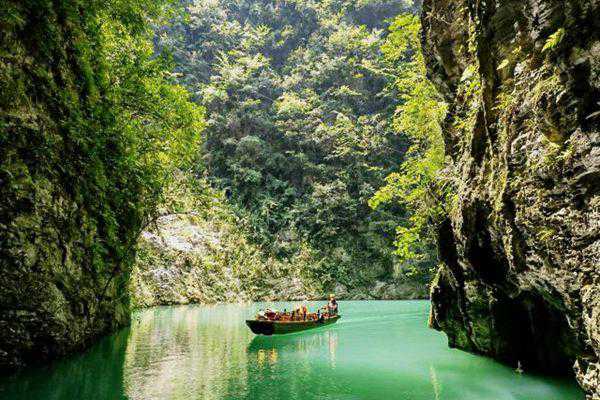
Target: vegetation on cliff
[
  {"x": 204, "y": 256},
  {"x": 520, "y": 249},
  {"x": 199, "y": 251},
  {"x": 419, "y": 185},
  {"x": 300, "y": 100},
  {"x": 300, "y": 134},
  {"x": 329, "y": 162},
  {"x": 91, "y": 126}
]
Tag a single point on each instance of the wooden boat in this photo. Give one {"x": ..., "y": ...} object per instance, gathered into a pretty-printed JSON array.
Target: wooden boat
[{"x": 269, "y": 327}]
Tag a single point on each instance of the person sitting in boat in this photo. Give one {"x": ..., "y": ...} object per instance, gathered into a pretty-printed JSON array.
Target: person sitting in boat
[{"x": 270, "y": 314}]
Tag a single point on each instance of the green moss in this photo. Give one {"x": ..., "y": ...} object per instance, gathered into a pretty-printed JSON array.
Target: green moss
[{"x": 546, "y": 234}]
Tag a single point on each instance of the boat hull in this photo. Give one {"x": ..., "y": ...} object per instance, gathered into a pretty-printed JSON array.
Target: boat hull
[{"x": 279, "y": 328}]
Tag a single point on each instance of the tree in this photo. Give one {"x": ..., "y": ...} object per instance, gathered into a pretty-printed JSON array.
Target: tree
[
  {"x": 299, "y": 102},
  {"x": 419, "y": 185}
]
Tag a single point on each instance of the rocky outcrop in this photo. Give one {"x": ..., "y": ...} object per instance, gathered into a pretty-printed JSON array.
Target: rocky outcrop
[
  {"x": 521, "y": 248},
  {"x": 200, "y": 251},
  {"x": 200, "y": 259},
  {"x": 206, "y": 258}
]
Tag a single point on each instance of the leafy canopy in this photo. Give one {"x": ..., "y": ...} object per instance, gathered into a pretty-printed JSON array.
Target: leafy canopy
[
  {"x": 419, "y": 184},
  {"x": 300, "y": 103}
]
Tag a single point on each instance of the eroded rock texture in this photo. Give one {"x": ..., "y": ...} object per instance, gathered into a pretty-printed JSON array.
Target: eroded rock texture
[
  {"x": 67, "y": 221},
  {"x": 521, "y": 250},
  {"x": 206, "y": 258}
]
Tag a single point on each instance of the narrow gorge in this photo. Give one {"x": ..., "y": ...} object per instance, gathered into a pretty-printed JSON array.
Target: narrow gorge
[{"x": 174, "y": 172}]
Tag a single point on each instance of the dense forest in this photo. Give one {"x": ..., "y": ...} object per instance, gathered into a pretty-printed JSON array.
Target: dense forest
[
  {"x": 301, "y": 101},
  {"x": 281, "y": 128}
]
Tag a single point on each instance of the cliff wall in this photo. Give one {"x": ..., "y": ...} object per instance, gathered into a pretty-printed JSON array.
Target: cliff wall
[
  {"x": 521, "y": 248},
  {"x": 69, "y": 211},
  {"x": 204, "y": 256}
]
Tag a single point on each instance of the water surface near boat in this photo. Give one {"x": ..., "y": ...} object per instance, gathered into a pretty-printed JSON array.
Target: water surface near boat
[{"x": 378, "y": 350}]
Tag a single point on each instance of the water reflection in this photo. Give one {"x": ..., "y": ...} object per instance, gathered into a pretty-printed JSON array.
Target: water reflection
[
  {"x": 437, "y": 389},
  {"x": 305, "y": 345},
  {"x": 379, "y": 350},
  {"x": 187, "y": 352},
  {"x": 295, "y": 366},
  {"x": 94, "y": 375},
  {"x": 333, "y": 341}
]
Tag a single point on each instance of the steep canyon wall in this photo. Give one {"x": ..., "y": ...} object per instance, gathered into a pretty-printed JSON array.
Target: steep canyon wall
[
  {"x": 521, "y": 248},
  {"x": 67, "y": 220}
]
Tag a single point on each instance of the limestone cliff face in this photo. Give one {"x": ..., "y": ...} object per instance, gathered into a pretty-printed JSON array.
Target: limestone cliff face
[
  {"x": 521, "y": 249},
  {"x": 206, "y": 258},
  {"x": 198, "y": 259}
]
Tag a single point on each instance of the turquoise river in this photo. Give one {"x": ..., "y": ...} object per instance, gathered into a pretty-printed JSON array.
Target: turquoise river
[{"x": 380, "y": 350}]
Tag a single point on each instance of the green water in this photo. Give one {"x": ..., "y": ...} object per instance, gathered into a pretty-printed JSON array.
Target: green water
[{"x": 379, "y": 350}]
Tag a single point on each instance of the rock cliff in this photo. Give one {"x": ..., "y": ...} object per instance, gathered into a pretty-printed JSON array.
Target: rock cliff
[
  {"x": 206, "y": 258},
  {"x": 192, "y": 259},
  {"x": 520, "y": 279},
  {"x": 68, "y": 217},
  {"x": 200, "y": 250}
]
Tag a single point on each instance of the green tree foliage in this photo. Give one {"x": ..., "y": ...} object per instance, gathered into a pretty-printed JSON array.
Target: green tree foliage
[
  {"x": 89, "y": 116},
  {"x": 419, "y": 185},
  {"x": 299, "y": 103}
]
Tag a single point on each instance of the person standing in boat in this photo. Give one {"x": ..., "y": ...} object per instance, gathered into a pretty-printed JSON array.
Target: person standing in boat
[{"x": 332, "y": 306}]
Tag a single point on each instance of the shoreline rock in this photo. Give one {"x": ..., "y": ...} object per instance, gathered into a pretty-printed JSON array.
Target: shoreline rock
[{"x": 195, "y": 261}]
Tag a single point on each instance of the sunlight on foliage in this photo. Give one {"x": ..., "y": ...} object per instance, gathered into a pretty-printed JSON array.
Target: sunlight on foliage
[
  {"x": 418, "y": 185},
  {"x": 162, "y": 124},
  {"x": 96, "y": 116},
  {"x": 554, "y": 40},
  {"x": 300, "y": 123}
]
